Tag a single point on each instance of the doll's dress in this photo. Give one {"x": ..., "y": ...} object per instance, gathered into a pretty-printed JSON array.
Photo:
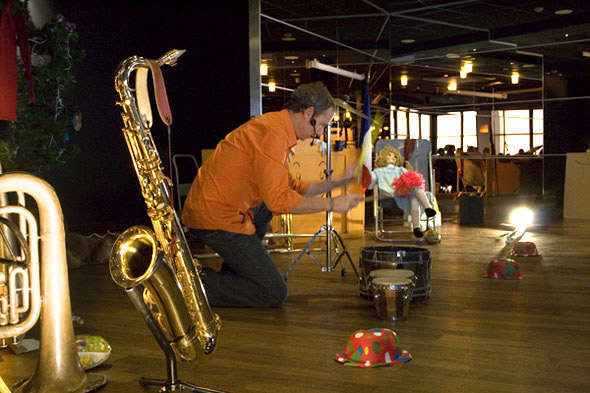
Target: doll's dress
[{"x": 382, "y": 178}]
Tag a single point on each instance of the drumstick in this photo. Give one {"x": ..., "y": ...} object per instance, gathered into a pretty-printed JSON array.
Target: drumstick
[{"x": 3, "y": 387}]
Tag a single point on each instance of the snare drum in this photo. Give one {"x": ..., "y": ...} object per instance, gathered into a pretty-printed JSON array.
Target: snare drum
[{"x": 392, "y": 296}]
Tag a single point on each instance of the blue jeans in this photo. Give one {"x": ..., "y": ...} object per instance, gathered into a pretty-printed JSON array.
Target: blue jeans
[{"x": 248, "y": 276}]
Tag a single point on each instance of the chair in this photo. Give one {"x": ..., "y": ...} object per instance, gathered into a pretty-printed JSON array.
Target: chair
[
  {"x": 421, "y": 160},
  {"x": 185, "y": 170},
  {"x": 471, "y": 172}
]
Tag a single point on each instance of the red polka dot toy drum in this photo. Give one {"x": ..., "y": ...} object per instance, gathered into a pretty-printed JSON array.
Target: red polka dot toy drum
[
  {"x": 505, "y": 269},
  {"x": 524, "y": 249},
  {"x": 373, "y": 348}
]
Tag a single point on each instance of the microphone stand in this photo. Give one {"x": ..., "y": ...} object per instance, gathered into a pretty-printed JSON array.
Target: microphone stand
[{"x": 333, "y": 239}]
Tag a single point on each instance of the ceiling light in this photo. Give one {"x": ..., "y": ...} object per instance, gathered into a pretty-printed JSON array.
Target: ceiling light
[
  {"x": 408, "y": 41},
  {"x": 468, "y": 66},
  {"x": 291, "y": 57},
  {"x": 565, "y": 11},
  {"x": 452, "y": 56},
  {"x": 272, "y": 86},
  {"x": 288, "y": 37},
  {"x": 404, "y": 80},
  {"x": 263, "y": 69},
  {"x": 528, "y": 65},
  {"x": 336, "y": 117},
  {"x": 538, "y": 9},
  {"x": 514, "y": 78},
  {"x": 334, "y": 70},
  {"x": 347, "y": 114},
  {"x": 463, "y": 73},
  {"x": 479, "y": 94},
  {"x": 452, "y": 85}
]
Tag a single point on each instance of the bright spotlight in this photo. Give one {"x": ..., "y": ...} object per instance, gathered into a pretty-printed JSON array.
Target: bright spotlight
[{"x": 521, "y": 217}]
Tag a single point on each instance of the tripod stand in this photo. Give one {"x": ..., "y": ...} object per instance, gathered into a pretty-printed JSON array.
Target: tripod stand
[
  {"x": 171, "y": 384},
  {"x": 333, "y": 239}
]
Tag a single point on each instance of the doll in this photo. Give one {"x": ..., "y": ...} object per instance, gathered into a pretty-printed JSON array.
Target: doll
[{"x": 396, "y": 178}]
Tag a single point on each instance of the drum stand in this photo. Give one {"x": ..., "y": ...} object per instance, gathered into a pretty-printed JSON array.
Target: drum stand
[
  {"x": 333, "y": 239},
  {"x": 171, "y": 383}
]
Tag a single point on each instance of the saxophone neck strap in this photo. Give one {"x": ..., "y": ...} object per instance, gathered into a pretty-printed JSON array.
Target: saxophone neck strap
[{"x": 143, "y": 98}]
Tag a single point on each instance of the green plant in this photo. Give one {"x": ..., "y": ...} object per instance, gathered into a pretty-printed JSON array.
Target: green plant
[{"x": 42, "y": 136}]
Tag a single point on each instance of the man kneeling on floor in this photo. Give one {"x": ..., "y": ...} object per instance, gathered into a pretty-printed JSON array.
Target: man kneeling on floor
[{"x": 243, "y": 183}]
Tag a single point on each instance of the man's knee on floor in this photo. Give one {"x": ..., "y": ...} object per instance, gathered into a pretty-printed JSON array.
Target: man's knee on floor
[{"x": 276, "y": 296}]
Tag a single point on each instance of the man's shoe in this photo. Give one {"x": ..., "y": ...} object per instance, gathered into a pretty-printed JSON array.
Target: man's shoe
[
  {"x": 418, "y": 232},
  {"x": 430, "y": 212}
]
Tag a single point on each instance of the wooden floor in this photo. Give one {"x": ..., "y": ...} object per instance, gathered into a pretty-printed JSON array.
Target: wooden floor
[{"x": 474, "y": 334}]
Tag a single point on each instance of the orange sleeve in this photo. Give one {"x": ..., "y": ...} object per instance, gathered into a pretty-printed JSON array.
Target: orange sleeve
[{"x": 272, "y": 175}]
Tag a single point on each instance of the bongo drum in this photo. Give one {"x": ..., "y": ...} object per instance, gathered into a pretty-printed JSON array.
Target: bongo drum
[
  {"x": 392, "y": 296},
  {"x": 396, "y": 258},
  {"x": 403, "y": 273}
]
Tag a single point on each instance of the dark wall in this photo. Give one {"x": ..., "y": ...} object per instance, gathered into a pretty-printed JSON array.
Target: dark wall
[
  {"x": 209, "y": 95},
  {"x": 566, "y": 127}
]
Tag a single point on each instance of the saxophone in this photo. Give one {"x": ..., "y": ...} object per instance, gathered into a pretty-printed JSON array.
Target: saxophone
[{"x": 160, "y": 259}]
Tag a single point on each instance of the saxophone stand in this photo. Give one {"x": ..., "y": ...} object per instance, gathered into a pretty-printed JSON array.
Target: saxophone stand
[
  {"x": 171, "y": 384},
  {"x": 333, "y": 239}
]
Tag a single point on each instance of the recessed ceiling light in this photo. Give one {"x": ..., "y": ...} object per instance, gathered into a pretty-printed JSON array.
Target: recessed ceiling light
[
  {"x": 528, "y": 65},
  {"x": 291, "y": 57},
  {"x": 452, "y": 56},
  {"x": 408, "y": 41},
  {"x": 565, "y": 11},
  {"x": 288, "y": 37}
]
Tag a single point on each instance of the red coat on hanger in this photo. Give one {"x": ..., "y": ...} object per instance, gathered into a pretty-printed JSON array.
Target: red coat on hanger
[{"x": 11, "y": 31}]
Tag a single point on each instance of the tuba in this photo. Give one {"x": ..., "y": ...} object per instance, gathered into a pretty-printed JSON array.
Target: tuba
[
  {"x": 34, "y": 289},
  {"x": 160, "y": 259}
]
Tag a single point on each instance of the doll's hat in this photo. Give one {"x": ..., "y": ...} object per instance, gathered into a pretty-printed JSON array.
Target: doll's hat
[
  {"x": 373, "y": 348},
  {"x": 505, "y": 269},
  {"x": 524, "y": 249}
]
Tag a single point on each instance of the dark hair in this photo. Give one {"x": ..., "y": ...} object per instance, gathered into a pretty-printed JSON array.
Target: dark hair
[{"x": 314, "y": 95}]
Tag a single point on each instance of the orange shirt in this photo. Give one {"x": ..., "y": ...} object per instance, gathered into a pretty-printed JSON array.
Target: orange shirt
[{"x": 247, "y": 167}]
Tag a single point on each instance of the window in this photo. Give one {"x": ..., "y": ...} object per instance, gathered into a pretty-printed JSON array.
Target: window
[
  {"x": 537, "y": 127},
  {"x": 516, "y": 131},
  {"x": 513, "y": 130},
  {"x": 414, "y": 125},
  {"x": 402, "y": 123},
  {"x": 469, "y": 129},
  {"x": 425, "y": 124},
  {"x": 448, "y": 130}
]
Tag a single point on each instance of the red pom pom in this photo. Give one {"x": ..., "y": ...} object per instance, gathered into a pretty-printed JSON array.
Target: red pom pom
[{"x": 404, "y": 184}]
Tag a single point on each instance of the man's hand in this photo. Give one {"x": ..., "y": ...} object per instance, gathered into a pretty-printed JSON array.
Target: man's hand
[{"x": 344, "y": 203}]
